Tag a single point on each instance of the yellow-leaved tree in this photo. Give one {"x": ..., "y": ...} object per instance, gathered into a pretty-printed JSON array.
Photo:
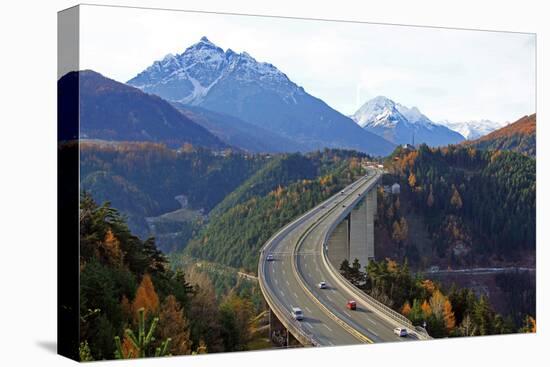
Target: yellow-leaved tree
[
  {"x": 146, "y": 297},
  {"x": 449, "y": 316},
  {"x": 406, "y": 309},
  {"x": 456, "y": 199},
  {"x": 110, "y": 249},
  {"x": 173, "y": 324}
]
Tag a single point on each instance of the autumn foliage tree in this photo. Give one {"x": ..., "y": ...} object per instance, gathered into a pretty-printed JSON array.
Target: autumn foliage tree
[
  {"x": 430, "y": 200},
  {"x": 449, "y": 316},
  {"x": 406, "y": 309},
  {"x": 146, "y": 297},
  {"x": 437, "y": 302},
  {"x": 235, "y": 316},
  {"x": 456, "y": 199},
  {"x": 173, "y": 324},
  {"x": 412, "y": 180},
  {"x": 426, "y": 308},
  {"x": 400, "y": 231},
  {"x": 110, "y": 249},
  {"x": 529, "y": 325},
  {"x": 205, "y": 326}
]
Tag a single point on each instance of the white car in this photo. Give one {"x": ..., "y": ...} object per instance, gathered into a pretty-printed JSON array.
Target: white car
[
  {"x": 322, "y": 285},
  {"x": 297, "y": 313},
  {"x": 400, "y": 331},
  {"x": 270, "y": 257}
]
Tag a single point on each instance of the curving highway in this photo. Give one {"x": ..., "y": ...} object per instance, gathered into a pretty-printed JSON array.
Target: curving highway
[{"x": 300, "y": 263}]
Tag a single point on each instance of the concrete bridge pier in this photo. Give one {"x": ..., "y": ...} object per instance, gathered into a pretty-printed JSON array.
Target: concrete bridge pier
[
  {"x": 338, "y": 243},
  {"x": 353, "y": 238},
  {"x": 372, "y": 208},
  {"x": 358, "y": 241}
]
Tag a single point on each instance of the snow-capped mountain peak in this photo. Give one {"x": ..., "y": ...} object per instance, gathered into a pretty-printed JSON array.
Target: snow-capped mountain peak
[
  {"x": 379, "y": 111},
  {"x": 189, "y": 76},
  {"x": 206, "y": 41},
  {"x": 401, "y": 124}
]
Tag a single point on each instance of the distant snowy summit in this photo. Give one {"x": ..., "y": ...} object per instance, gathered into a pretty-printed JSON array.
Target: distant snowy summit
[
  {"x": 188, "y": 77},
  {"x": 474, "y": 129},
  {"x": 402, "y": 125}
]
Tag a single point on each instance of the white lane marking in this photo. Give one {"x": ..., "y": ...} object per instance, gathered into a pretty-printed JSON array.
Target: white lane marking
[
  {"x": 284, "y": 272},
  {"x": 282, "y": 294},
  {"x": 305, "y": 265},
  {"x": 308, "y": 324},
  {"x": 295, "y": 295},
  {"x": 309, "y": 275},
  {"x": 276, "y": 281},
  {"x": 287, "y": 283},
  {"x": 347, "y": 313},
  {"x": 308, "y": 310},
  {"x": 374, "y": 322},
  {"x": 330, "y": 299},
  {"x": 325, "y": 325},
  {"x": 373, "y": 333}
]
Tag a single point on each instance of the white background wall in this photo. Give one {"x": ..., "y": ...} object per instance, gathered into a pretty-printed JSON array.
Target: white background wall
[{"x": 28, "y": 182}]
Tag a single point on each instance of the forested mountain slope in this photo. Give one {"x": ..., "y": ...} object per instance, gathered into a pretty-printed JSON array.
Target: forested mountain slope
[
  {"x": 520, "y": 136},
  {"x": 143, "y": 179},
  {"x": 479, "y": 206},
  {"x": 236, "y": 233}
]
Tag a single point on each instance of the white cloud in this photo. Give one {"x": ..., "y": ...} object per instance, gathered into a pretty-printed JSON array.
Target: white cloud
[{"x": 448, "y": 74}]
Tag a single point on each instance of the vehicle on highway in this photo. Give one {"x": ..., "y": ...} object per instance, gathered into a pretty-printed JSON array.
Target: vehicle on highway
[
  {"x": 270, "y": 257},
  {"x": 322, "y": 285},
  {"x": 400, "y": 331},
  {"x": 297, "y": 313},
  {"x": 352, "y": 305}
]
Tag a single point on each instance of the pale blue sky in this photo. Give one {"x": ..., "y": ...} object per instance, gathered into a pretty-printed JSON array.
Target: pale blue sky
[{"x": 448, "y": 74}]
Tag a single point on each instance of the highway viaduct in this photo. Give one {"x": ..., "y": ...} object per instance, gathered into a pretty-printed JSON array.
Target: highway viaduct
[{"x": 309, "y": 250}]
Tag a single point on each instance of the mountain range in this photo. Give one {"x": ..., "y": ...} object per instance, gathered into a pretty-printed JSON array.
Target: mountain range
[
  {"x": 219, "y": 99},
  {"x": 402, "y": 125},
  {"x": 114, "y": 111},
  {"x": 258, "y": 93},
  {"x": 473, "y": 129}
]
